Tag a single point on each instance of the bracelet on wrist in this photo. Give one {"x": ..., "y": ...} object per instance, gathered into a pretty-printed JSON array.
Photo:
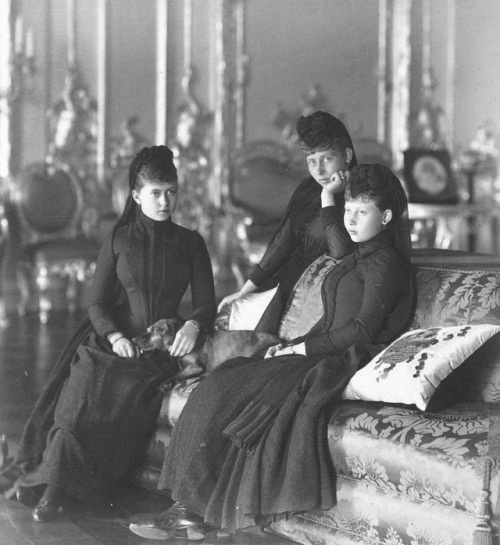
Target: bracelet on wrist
[
  {"x": 116, "y": 339},
  {"x": 194, "y": 324}
]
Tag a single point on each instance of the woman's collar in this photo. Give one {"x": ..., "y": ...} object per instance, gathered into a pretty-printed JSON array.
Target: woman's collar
[
  {"x": 382, "y": 240},
  {"x": 152, "y": 225}
]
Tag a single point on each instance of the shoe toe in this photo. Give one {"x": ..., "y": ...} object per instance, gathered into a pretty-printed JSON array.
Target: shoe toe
[
  {"x": 28, "y": 496},
  {"x": 149, "y": 530},
  {"x": 44, "y": 512}
]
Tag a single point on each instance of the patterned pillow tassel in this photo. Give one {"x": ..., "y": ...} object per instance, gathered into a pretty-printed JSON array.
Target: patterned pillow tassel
[{"x": 482, "y": 532}]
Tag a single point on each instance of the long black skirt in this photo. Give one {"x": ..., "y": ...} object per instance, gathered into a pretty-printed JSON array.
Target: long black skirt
[
  {"x": 105, "y": 413},
  {"x": 252, "y": 439}
]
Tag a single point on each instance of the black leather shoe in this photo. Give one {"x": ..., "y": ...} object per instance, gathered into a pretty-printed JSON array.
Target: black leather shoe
[
  {"x": 29, "y": 495},
  {"x": 46, "y": 511}
]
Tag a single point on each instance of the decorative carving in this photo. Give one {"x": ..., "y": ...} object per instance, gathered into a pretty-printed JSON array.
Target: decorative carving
[
  {"x": 73, "y": 127},
  {"x": 191, "y": 147},
  {"x": 285, "y": 120},
  {"x": 429, "y": 131},
  {"x": 191, "y": 155},
  {"x": 125, "y": 147},
  {"x": 123, "y": 150},
  {"x": 479, "y": 163}
]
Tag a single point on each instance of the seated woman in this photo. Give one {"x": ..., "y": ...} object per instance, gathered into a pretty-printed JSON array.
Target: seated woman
[
  {"x": 251, "y": 441},
  {"x": 101, "y": 403},
  {"x": 314, "y": 211}
]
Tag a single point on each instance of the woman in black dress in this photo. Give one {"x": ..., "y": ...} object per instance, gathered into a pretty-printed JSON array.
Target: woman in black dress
[
  {"x": 100, "y": 405},
  {"x": 314, "y": 211},
  {"x": 251, "y": 441}
]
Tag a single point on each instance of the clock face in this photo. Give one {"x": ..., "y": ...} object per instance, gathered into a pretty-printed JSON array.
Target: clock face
[{"x": 430, "y": 175}]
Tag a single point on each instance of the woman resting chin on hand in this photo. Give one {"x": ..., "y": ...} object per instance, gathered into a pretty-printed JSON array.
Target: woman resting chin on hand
[
  {"x": 263, "y": 420},
  {"x": 313, "y": 222}
]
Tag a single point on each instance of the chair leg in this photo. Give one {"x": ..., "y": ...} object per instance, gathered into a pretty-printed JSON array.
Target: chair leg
[
  {"x": 4, "y": 322},
  {"x": 43, "y": 283},
  {"x": 72, "y": 291},
  {"x": 23, "y": 285}
]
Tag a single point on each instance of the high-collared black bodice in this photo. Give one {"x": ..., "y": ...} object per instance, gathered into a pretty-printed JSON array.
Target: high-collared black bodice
[{"x": 142, "y": 273}]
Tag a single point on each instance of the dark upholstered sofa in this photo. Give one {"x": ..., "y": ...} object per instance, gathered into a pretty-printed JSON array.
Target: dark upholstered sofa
[{"x": 407, "y": 475}]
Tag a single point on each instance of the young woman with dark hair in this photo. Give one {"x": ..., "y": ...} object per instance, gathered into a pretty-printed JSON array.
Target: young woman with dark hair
[
  {"x": 251, "y": 441},
  {"x": 101, "y": 403}
]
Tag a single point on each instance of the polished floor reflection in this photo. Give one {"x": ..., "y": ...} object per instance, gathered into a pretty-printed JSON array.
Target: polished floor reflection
[{"x": 27, "y": 351}]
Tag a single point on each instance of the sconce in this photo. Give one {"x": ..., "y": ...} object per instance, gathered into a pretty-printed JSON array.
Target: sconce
[{"x": 22, "y": 61}]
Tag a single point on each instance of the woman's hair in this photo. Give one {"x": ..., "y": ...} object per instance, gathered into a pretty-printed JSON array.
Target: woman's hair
[
  {"x": 154, "y": 164},
  {"x": 378, "y": 184},
  {"x": 153, "y": 173},
  {"x": 321, "y": 131}
]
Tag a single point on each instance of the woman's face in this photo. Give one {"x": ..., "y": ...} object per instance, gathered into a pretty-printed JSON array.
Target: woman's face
[
  {"x": 363, "y": 220},
  {"x": 157, "y": 199},
  {"x": 323, "y": 164}
]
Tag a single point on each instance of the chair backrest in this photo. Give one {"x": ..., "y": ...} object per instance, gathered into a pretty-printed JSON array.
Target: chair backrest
[
  {"x": 49, "y": 201},
  {"x": 264, "y": 180},
  {"x": 371, "y": 151}
]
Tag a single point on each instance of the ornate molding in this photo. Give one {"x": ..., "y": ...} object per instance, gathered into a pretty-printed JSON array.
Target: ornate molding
[
  {"x": 161, "y": 70},
  {"x": 5, "y": 85},
  {"x": 401, "y": 58},
  {"x": 382, "y": 97}
]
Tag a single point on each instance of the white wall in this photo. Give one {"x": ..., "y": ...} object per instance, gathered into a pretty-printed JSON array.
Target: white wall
[{"x": 291, "y": 43}]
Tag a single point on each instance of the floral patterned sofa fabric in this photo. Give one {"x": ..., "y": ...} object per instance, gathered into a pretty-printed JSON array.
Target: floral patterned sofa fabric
[
  {"x": 405, "y": 476},
  {"x": 448, "y": 297},
  {"x": 427, "y": 457},
  {"x": 365, "y": 515}
]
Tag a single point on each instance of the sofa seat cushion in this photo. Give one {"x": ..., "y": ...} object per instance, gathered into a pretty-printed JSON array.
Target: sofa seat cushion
[
  {"x": 425, "y": 457},
  {"x": 437, "y": 458},
  {"x": 366, "y": 514},
  {"x": 174, "y": 401}
]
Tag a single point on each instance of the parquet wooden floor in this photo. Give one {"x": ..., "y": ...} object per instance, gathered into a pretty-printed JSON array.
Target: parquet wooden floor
[{"x": 27, "y": 351}]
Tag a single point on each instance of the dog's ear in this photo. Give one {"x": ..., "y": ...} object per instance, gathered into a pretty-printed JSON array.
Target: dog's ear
[{"x": 173, "y": 325}]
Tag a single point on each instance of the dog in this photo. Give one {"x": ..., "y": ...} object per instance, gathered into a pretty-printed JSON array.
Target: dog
[{"x": 210, "y": 351}]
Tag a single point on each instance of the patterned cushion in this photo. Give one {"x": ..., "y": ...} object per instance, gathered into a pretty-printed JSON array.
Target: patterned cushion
[
  {"x": 411, "y": 368},
  {"x": 304, "y": 307},
  {"x": 456, "y": 297}
]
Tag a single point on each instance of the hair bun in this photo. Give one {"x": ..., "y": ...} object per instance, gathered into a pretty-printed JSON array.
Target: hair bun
[
  {"x": 318, "y": 127},
  {"x": 157, "y": 155}
]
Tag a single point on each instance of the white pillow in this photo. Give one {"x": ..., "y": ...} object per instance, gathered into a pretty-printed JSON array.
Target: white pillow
[
  {"x": 411, "y": 368},
  {"x": 248, "y": 310}
]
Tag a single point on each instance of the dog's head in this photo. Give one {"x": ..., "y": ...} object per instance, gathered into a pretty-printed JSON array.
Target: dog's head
[{"x": 158, "y": 336}]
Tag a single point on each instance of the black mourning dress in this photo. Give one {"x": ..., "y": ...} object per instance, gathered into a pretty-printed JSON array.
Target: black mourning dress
[
  {"x": 97, "y": 410},
  {"x": 252, "y": 439},
  {"x": 306, "y": 232}
]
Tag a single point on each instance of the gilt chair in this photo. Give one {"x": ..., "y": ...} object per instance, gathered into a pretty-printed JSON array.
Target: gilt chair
[{"x": 53, "y": 234}]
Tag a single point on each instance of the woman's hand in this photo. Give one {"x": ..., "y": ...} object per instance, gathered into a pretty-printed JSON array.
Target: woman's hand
[
  {"x": 338, "y": 182},
  {"x": 271, "y": 351},
  {"x": 229, "y": 299},
  {"x": 248, "y": 287},
  {"x": 125, "y": 348},
  {"x": 185, "y": 340},
  {"x": 280, "y": 350}
]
